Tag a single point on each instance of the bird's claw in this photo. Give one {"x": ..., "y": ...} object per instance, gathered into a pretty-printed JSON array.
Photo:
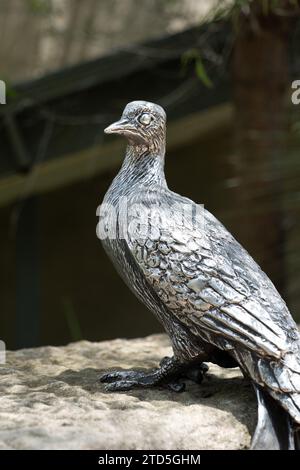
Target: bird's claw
[
  {"x": 169, "y": 375},
  {"x": 121, "y": 376},
  {"x": 120, "y": 385},
  {"x": 177, "y": 387},
  {"x": 128, "y": 379},
  {"x": 117, "y": 382},
  {"x": 197, "y": 373}
]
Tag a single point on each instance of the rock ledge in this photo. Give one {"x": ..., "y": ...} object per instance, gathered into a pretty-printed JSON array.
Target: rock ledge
[{"x": 50, "y": 399}]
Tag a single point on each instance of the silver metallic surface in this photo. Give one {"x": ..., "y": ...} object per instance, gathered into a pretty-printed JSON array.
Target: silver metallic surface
[{"x": 210, "y": 295}]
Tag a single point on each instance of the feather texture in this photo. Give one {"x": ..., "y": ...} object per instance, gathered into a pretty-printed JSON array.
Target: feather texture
[{"x": 203, "y": 286}]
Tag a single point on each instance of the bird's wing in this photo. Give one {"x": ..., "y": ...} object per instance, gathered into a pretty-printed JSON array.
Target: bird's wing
[
  {"x": 254, "y": 315},
  {"x": 211, "y": 284}
]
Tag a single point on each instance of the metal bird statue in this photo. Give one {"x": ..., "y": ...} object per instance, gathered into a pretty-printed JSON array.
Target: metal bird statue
[{"x": 211, "y": 297}]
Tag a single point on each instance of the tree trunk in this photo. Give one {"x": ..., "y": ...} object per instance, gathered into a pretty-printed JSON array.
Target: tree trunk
[{"x": 261, "y": 81}]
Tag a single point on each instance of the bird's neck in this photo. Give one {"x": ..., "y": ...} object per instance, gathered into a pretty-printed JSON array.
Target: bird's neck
[{"x": 143, "y": 166}]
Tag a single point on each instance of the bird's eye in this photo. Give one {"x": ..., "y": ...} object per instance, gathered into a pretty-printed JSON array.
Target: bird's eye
[{"x": 145, "y": 119}]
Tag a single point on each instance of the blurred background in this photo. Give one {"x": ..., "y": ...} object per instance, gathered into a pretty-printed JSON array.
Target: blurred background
[{"x": 223, "y": 70}]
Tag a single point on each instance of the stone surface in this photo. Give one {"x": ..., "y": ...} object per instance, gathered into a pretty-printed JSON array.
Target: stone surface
[{"x": 50, "y": 399}]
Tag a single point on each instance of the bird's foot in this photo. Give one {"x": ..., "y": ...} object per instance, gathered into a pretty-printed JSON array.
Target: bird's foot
[
  {"x": 169, "y": 374},
  {"x": 192, "y": 371}
]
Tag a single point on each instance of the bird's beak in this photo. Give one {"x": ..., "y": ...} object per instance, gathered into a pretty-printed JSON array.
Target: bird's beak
[
  {"x": 119, "y": 127},
  {"x": 126, "y": 128}
]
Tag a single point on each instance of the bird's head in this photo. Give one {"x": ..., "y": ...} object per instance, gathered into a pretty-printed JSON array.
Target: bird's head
[{"x": 143, "y": 124}]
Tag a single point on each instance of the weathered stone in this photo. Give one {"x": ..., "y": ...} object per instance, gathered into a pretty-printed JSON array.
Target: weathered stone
[{"x": 50, "y": 399}]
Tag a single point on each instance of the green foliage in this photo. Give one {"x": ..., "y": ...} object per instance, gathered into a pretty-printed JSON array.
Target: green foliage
[
  {"x": 72, "y": 320},
  {"x": 231, "y": 10},
  {"x": 193, "y": 56},
  {"x": 39, "y": 7},
  {"x": 11, "y": 92},
  {"x": 295, "y": 128}
]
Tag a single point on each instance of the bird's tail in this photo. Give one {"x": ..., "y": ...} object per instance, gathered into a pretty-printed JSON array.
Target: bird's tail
[{"x": 275, "y": 429}]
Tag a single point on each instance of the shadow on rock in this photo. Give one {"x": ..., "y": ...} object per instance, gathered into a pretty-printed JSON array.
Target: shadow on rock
[{"x": 233, "y": 395}]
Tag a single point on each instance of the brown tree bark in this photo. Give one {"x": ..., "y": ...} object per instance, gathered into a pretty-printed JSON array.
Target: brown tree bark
[{"x": 261, "y": 82}]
